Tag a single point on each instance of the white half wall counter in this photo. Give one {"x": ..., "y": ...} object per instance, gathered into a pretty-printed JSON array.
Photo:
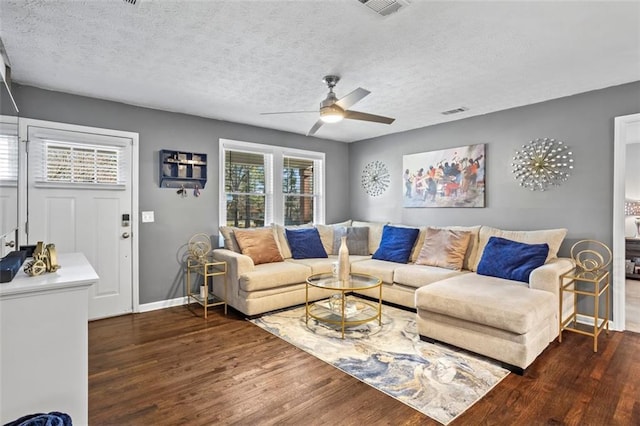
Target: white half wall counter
[{"x": 44, "y": 341}]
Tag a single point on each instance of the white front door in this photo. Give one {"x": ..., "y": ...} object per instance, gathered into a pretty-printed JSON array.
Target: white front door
[{"x": 79, "y": 197}]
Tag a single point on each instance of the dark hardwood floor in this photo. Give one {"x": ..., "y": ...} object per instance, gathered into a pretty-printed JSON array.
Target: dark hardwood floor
[{"x": 171, "y": 367}]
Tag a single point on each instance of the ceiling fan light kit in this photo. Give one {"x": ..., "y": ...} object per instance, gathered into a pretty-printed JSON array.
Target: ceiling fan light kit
[
  {"x": 333, "y": 110},
  {"x": 331, "y": 114}
]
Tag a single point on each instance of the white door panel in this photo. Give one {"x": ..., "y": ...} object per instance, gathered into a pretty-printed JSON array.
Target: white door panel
[
  {"x": 85, "y": 218},
  {"x": 58, "y": 224}
]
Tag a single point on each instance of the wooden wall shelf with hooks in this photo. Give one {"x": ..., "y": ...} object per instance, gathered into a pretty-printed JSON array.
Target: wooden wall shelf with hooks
[{"x": 180, "y": 169}]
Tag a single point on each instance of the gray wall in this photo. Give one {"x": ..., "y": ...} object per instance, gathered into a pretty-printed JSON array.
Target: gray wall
[
  {"x": 177, "y": 219},
  {"x": 583, "y": 204}
]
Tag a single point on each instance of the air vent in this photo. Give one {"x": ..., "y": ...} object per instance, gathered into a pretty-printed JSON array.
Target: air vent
[
  {"x": 455, "y": 111},
  {"x": 132, "y": 2},
  {"x": 385, "y": 7}
]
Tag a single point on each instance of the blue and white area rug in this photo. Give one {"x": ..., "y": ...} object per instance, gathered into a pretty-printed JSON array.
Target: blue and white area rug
[{"x": 436, "y": 380}]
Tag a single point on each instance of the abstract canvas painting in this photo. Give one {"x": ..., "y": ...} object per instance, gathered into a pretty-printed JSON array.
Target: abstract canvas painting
[{"x": 453, "y": 177}]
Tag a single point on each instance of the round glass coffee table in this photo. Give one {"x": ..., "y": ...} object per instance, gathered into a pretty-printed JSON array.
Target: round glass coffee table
[{"x": 342, "y": 309}]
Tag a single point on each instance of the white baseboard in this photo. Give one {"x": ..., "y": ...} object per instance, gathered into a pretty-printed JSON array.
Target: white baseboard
[{"x": 162, "y": 304}]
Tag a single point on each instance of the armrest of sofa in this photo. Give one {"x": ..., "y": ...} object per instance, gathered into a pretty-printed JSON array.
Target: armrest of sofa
[
  {"x": 547, "y": 276},
  {"x": 237, "y": 263}
]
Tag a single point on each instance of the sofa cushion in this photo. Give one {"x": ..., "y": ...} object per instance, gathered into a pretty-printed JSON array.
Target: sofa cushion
[
  {"x": 419, "y": 275},
  {"x": 417, "y": 245},
  {"x": 375, "y": 233},
  {"x": 376, "y": 268},
  {"x": 230, "y": 242},
  {"x": 317, "y": 265},
  {"x": 281, "y": 237},
  {"x": 259, "y": 244},
  {"x": 357, "y": 239},
  {"x": 444, "y": 248},
  {"x": 305, "y": 243},
  {"x": 511, "y": 260},
  {"x": 272, "y": 275},
  {"x": 496, "y": 302},
  {"x": 553, "y": 237},
  {"x": 326, "y": 234},
  {"x": 396, "y": 244},
  {"x": 469, "y": 256}
]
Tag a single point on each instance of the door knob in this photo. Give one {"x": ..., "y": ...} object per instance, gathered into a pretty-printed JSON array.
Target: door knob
[
  {"x": 125, "y": 235},
  {"x": 11, "y": 244}
]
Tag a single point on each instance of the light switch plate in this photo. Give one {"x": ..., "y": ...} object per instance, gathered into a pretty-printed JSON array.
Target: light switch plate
[{"x": 147, "y": 217}]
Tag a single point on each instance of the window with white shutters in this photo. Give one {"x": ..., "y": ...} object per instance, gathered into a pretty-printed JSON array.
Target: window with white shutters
[{"x": 79, "y": 164}]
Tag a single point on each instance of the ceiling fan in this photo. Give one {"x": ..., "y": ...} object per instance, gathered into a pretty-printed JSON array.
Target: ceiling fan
[{"x": 333, "y": 109}]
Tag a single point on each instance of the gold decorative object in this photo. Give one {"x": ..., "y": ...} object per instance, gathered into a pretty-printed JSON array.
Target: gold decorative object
[
  {"x": 199, "y": 246},
  {"x": 542, "y": 163},
  {"x": 590, "y": 259},
  {"x": 45, "y": 259}
]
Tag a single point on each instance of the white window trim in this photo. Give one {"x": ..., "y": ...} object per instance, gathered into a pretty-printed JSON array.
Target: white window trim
[{"x": 274, "y": 178}]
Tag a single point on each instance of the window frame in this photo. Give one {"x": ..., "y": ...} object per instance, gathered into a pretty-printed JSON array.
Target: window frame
[{"x": 274, "y": 194}]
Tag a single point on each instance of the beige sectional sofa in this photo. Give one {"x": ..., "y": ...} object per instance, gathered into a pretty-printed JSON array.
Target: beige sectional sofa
[{"x": 506, "y": 320}]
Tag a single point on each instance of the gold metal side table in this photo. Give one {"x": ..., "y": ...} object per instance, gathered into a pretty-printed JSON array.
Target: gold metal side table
[
  {"x": 206, "y": 268},
  {"x": 591, "y": 284}
]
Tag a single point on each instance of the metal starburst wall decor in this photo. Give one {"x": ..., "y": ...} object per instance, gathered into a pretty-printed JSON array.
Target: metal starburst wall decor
[{"x": 542, "y": 163}]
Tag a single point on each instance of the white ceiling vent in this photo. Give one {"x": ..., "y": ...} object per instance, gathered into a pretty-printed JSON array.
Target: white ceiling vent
[
  {"x": 385, "y": 7},
  {"x": 455, "y": 111}
]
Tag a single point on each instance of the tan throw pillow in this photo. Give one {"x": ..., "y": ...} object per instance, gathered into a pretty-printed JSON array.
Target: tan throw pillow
[
  {"x": 259, "y": 244},
  {"x": 444, "y": 248},
  {"x": 470, "y": 257}
]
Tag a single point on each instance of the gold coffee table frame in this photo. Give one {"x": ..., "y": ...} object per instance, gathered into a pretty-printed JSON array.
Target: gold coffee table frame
[{"x": 322, "y": 313}]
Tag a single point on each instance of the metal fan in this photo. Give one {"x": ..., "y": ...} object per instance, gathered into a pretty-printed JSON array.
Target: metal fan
[{"x": 333, "y": 109}]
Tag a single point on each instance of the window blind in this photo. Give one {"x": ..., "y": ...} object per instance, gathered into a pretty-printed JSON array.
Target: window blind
[
  {"x": 8, "y": 159},
  {"x": 63, "y": 162},
  {"x": 298, "y": 183},
  {"x": 247, "y": 188}
]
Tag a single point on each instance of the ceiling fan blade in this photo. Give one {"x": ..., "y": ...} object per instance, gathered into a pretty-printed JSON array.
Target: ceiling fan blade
[
  {"x": 355, "y": 115},
  {"x": 347, "y": 101},
  {"x": 286, "y": 112},
  {"x": 315, "y": 127}
]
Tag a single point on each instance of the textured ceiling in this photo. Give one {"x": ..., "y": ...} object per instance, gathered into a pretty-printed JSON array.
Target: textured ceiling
[{"x": 231, "y": 60}]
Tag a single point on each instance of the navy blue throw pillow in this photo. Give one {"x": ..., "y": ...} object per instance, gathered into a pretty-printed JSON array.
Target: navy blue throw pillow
[
  {"x": 396, "y": 244},
  {"x": 305, "y": 243},
  {"x": 511, "y": 260}
]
